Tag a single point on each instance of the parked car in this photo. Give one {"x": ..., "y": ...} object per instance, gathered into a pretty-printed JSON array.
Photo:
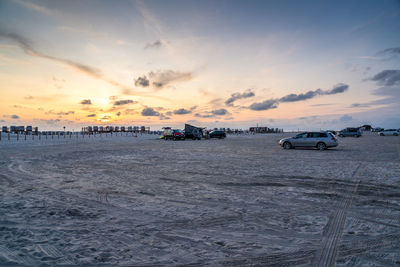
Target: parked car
[
  {"x": 217, "y": 134},
  {"x": 352, "y": 132},
  {"x": 178, "y": 134},
  {"x": 319, "y": 140},
  {"x": 389, "y": 132}
]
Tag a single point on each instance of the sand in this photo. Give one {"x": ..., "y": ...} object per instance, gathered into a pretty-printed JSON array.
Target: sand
[{"x": 241, "y": 201}]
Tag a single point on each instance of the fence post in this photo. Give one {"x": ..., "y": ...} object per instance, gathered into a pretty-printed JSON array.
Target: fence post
[
  {"x": 8, "y": 136},
  {"x": 25, "y": 136},
  {"x": 17, "y": 136},
  {"x": 39, "y": 136}
]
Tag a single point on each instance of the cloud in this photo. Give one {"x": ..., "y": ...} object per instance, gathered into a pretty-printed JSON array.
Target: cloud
[
  {"x": 273, "y": 103},
  {"x": 28, "y": 48},
  {"x": 105, "y": 117},
  {"x": 387, "y": 77},
  {"x": 390, "y": 51},
  {"x": 86, "y": 102},
  {"x": 150, "y": 112},
  {"x": 300, "y": 97},
  {"x": 337, "y": 89},
  {"x": 237, "y": 96},
  {"x": 156, "y": 44},
  {"x": 124, "y": 102},
  {"x": 182, "y": 111},
  {"x": 11, "y": 116},
  {"x": 142, "y": 81},
  {"x": 321, "y": 105},
  {"x": 91, "y": 115},
  {"x": 390, "y": 94},
  {"x": 213, "y": 113},
  {"x": 219, "y": 112},
  {"x": 60, "y": 113},
  {"x": 52, "y": 122},
  {"x": 161, "y": 79},
  {"x": 360, "y": 105},
  {"x": 163, "y": 117},
  {"x": 39, "y": 8},
  {"x": 265, "y": 105}
]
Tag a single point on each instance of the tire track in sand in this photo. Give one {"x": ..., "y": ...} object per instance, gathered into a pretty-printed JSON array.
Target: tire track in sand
[{"x": 326, "y": 256}]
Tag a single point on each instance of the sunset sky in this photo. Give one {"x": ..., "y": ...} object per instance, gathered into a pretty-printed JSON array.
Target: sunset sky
[{"x": 287, "y": 64}]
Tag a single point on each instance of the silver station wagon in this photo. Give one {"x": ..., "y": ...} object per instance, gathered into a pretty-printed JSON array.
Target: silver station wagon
[{"x": 319, "y": 140}]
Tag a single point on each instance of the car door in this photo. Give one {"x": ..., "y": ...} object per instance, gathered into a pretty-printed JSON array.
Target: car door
[
  {"x": 312, "y": 139},
  {"x": 300, "y": 140}
]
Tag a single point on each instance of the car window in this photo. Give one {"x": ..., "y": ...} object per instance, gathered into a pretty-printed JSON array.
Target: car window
[
  {"x": 303, "y": 135},
  {"x": 323, "y": 135}
]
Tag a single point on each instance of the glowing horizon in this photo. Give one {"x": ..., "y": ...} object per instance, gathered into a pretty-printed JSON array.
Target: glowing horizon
[{"x": 228, "y": 64}]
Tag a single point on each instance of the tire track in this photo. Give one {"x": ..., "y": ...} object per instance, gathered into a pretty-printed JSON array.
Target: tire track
[
  {"x": 13, "y": 257},
  {"x": 326, "y": 256}
]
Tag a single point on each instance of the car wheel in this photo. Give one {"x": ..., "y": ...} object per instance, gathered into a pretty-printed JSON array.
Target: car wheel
[
  {"x": 381, "y": 134},
  {"x": 395, "y": 134},
  {"x": 321, "y": 146},
  {"x": 287, "y": 145}
]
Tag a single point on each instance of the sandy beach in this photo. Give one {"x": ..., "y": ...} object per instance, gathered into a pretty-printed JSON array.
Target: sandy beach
[{"x": 241, "y": 201}]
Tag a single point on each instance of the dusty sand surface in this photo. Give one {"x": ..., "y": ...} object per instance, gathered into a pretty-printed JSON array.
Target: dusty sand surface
[{"x": 242, "y": 201}]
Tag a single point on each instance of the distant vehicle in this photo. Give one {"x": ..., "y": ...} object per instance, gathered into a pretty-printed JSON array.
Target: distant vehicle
[
  {"x": 352, "y": 132},
  {"x": 217, "y": 134},
  {"x": 4, "y": 129},
  {"x": 389, "y": 132},
  {"x": 193, "y": 132},
  {"x": 378, "y": 129},
  {"x": 178, "y": 134},
  {"x": 332, "y": 131},
  {"x": 319, "y": 140},
  {"x": 168, "y": 133}
]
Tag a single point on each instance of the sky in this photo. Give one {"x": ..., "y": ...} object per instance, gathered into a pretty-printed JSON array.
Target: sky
[{"x": 304, "y": 65}]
